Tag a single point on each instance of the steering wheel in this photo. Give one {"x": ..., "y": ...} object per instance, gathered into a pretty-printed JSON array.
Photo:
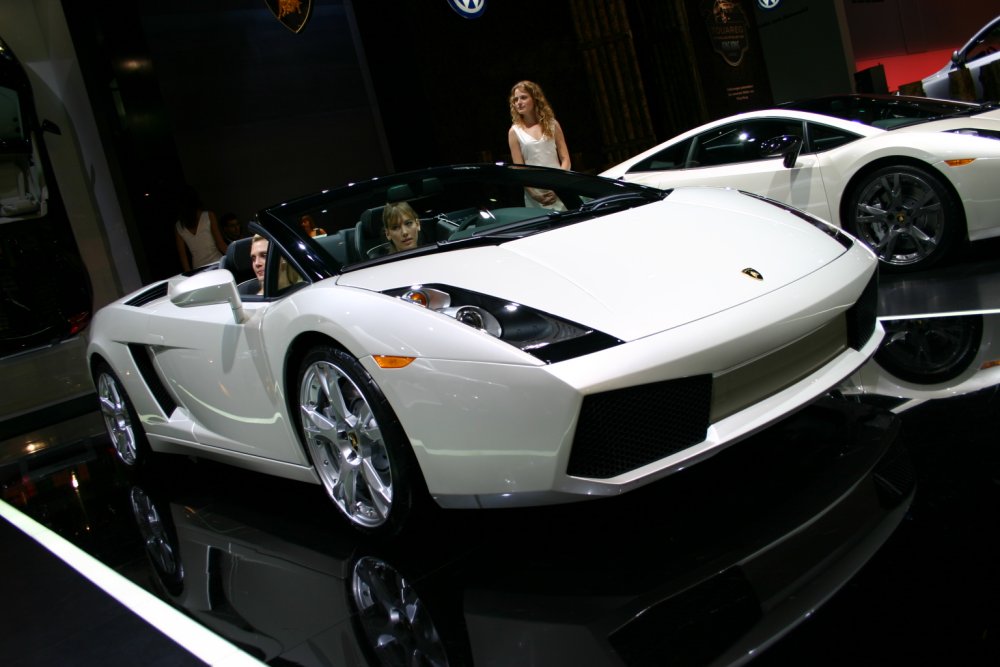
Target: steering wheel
[{"x": 473, "y": 220}]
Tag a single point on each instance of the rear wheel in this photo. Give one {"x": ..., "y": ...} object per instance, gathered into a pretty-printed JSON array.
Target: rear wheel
[
  {"x": 120, "y": 419},
  {"x": 906, "y": 215},
  {"x": 355, "y": 442}
]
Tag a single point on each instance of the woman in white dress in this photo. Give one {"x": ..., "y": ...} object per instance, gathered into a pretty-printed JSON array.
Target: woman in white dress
[
  {"x": 535, "y": 137},
  {"x": 199, "y": 239}
]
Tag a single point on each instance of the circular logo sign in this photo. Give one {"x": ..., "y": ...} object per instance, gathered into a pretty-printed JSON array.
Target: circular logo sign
[
  {"x": 768, "y": 4},
  {"x": 468, "y": 9}
]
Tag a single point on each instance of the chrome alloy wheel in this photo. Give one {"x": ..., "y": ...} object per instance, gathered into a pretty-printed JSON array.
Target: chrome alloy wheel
[
  {"x": 157, "y": 539},
  {"x": 115, "y": 411},
  {"x": 901, "y": 216},
  {"x": 396, "y": 622},
  {"x": 345, "y": 444}
]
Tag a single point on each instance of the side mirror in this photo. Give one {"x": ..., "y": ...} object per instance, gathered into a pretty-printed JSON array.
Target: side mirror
[
  {"x": 208, "y": 288},
  {"x": 786, "y": 146}
]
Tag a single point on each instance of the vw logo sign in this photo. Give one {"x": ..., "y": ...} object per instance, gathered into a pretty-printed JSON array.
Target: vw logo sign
[
  {"x": 768, "y": 4},
  {"x": 468, "y": 9}
]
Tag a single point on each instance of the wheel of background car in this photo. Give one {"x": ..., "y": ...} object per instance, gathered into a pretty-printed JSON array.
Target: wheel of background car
[
  {"x": 159, "y": 537},
  {"x": 120, "y": 419},
  {"x": 355, "y": 442},
  {"x": 397, "y": 624},
  {"x": 905, "y": 214},
  {"x": 930, "y": 350}
]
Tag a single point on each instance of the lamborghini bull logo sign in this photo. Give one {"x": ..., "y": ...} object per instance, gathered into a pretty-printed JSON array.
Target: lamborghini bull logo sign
[{"x": 293, "y": 14}]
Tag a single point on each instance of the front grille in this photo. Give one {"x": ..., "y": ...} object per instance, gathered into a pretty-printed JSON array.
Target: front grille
[
  {"x": 625, "y": 429},
  {"x": 861, "y": 316}
]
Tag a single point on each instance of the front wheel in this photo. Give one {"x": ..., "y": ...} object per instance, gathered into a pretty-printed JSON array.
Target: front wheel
[
  {"x": 905, "y": 214},
  {"x": 355, "y": 442},
  {"x": 120, "y": 419}
]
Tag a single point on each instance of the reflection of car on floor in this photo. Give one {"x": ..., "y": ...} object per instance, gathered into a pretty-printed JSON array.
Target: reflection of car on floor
[
  {"x": 45, "y": 294},
  {"x": 817, "y": 494},
  {"x": 979, "y": 52},
  {"x": 929, "y": 358},
  {"x": 912, "y": 192},
  {"x": 520, "y": 356}
]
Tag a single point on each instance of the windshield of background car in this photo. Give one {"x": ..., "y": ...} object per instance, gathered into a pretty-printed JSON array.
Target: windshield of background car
[{"x": 436, "y": 210}]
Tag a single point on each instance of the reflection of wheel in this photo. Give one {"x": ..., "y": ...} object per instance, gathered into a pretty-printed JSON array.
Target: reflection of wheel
[
  {"x": 354, "y": 441},
  {"x": 398, "y": 626},
  {"x": 905, "y": 214},
  {"x": 160, "y": 540},
  {"x": 120, "y": 419},
  {"x": 930, "y": 350}
]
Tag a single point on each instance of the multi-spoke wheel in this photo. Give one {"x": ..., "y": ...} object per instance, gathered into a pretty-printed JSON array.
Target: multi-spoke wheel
[
  {"x": 396, "y": 622},
  {"x": 160, "y": 540},
  {"x": 120, "y": 419},
  {"x": 905, "y": 214},
  {"x": 354, "y": 441}
]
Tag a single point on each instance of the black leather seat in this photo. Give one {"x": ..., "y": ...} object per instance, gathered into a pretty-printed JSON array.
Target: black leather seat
[
  {"x": 368, "y": 233},
  {"x": 237, "y": 260}
]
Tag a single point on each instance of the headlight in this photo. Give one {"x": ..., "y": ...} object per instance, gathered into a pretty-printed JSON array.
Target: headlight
[{"x": 545, "y": 336}]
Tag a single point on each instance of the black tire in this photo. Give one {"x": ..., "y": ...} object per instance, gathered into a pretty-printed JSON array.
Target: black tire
[
  {"x": 906, "y": 215},
  {"x": 120, "y": 419},
  {"x": 930, "y": 350},
  {"x": 355, "y": 442}
]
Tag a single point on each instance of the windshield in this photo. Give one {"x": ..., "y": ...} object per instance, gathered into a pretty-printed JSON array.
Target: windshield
[
  {"x": 435, "y": 210},
  {"x": 886, "y": 111}
]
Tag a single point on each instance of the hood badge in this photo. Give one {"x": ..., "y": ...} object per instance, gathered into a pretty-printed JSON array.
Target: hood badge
[{"x": 753, "y": 273}]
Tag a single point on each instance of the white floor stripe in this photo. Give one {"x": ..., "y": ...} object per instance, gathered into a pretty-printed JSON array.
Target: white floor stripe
[{"x": 194, "y": 637}]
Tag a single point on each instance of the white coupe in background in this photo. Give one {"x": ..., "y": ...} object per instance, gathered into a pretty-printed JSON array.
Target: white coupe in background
[
  {"x": 519, "y": 356},
  {"x": 911, "y": 189}
]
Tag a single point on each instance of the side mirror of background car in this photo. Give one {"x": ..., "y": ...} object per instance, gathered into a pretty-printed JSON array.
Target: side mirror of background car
[
  {"x": 208, "y": 288},
  {"x": 786, "y": 145}
]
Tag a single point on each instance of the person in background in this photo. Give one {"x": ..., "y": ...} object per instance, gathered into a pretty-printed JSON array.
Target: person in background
[
  {"x": 308, "y": 224},
  {"x": 401, "y": 225},
  {"x": 536, "y": 138},
  {"x": 231, "y": 228},
  {"x": 199, "y": 241}
]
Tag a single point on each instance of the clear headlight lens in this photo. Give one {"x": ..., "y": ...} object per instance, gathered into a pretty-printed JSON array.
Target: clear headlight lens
[{"x": 545, "y": 336}]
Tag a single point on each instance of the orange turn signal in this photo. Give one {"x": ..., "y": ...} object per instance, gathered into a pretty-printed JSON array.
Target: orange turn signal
[
  {"x": 960, "y": 162},
  {"x": 387, "y": 361}
]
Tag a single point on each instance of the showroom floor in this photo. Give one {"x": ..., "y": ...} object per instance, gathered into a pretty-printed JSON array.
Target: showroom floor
[{"x": 266, "y": 564}]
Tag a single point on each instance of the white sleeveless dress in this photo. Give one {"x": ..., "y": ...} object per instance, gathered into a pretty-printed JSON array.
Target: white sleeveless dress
[
  {"x": 201, "y": 243},
  {"x": 540, "y": 152}
]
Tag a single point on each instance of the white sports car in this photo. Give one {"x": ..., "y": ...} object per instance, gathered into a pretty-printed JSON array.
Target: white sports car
[
  {"x": 910, "y": 188},
  {"x": 518, "y": 356}
]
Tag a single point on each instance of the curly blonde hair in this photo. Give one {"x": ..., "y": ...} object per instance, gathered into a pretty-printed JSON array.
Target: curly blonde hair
[{"x": 543, "y": 110}]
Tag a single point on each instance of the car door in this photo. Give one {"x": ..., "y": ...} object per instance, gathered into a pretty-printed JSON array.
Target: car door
[
  {"x": 217, "y": 369},
  {"x": 730, "y": 155}
]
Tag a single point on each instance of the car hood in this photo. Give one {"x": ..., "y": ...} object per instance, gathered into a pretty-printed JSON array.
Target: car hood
[{"x": 637, "y": 272}]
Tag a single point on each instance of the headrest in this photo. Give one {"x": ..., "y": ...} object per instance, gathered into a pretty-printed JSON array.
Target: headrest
[
  {"x": 371, "y": 221},
  {"x": 237, "y": 259}
]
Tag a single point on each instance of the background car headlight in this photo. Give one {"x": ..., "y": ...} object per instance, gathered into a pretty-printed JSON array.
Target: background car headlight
[{"x": 544, "y": 336}]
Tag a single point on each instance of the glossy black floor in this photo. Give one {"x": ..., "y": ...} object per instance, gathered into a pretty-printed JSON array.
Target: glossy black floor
[{"x": 267, "y": 563}]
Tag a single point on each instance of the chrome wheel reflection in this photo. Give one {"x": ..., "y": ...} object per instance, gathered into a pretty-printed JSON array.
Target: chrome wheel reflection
[
  {"x": 397, "y": 624},
  {"x": 345, "y": 444},
  {"x": 114, "y": 409},
  {"x": 157, "y": 539},
  {"x": 901, "y": 216}
]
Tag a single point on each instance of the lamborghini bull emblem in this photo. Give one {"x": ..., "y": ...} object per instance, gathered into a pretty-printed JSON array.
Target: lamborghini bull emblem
[
  {"x": 753, "y": 273},
  {"x": 293, "y": 14}
]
